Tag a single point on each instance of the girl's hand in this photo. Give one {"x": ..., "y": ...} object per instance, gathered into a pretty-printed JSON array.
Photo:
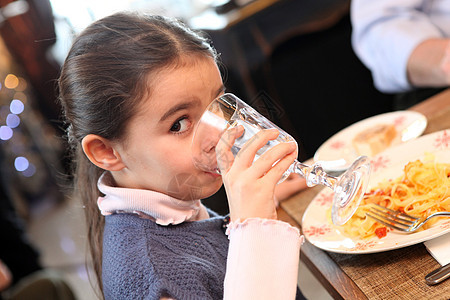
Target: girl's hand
[{"x": 250, "y": 186}]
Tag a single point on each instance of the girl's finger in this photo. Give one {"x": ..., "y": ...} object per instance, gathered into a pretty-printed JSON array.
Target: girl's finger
[
  {"x": 224, "y": 156},
  {"x": 265, "y": 163},
  {"x": 275, "y": 173},
  {"x": 246, "y": 155}
]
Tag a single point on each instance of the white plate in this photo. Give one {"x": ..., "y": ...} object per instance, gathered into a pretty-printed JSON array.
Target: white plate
[
  {"x": 319, "y": 230},
  {"x": 337, "y": 153}
]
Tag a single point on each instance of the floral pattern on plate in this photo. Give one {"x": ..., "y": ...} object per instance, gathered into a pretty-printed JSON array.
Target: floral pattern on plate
[
  {"x": 337, "y": 153},
  {"x": 319, "y": 230}
]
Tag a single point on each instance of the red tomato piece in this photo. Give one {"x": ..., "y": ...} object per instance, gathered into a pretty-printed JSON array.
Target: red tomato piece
[{"x": 381, "y": 232}]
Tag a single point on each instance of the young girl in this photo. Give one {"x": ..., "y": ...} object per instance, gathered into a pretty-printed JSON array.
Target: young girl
[{"x": 132, "y": 88}]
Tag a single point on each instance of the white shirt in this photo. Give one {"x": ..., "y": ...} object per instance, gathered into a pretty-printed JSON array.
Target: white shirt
[{"x": 385, "y": 32}]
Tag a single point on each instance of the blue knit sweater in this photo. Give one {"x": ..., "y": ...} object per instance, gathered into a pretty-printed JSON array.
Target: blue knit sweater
[{"x": 143, "y": 260}]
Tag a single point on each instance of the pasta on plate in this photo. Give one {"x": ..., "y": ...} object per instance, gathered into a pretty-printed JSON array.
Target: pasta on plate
[{"x": 422, "y": 189}]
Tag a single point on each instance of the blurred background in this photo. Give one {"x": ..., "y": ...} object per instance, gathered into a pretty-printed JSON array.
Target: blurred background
[{"x": 290, "y": 59}]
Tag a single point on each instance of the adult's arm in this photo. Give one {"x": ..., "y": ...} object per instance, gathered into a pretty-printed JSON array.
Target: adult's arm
[
  {"x": 385, "y": 34},
  {"x": 429, "y": 63}
]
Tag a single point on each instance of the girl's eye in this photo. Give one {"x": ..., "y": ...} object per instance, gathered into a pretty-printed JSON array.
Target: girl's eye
[{"x": 180, "y": 125}]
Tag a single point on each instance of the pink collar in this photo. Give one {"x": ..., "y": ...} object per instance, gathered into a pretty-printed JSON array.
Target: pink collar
[{"x": 163, "y": 209}]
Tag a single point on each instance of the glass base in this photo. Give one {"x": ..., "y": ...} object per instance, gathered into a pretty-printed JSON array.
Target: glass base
[{"x": 349, "y": 190}]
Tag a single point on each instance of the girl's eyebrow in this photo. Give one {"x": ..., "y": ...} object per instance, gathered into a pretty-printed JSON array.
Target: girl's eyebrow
[
  {"x": 187, "y": 104},
  {"x": 178, "y": 107}
]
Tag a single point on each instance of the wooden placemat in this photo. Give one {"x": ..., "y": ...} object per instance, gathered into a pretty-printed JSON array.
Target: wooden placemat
[{"x": 395, "y": 274}]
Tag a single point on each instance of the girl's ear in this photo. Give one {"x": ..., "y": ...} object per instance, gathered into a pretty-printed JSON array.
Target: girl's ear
[{"x": 101, "y": 153}]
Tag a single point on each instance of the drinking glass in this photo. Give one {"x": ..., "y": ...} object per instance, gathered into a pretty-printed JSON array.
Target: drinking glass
[{"x": 229, "y": 111}]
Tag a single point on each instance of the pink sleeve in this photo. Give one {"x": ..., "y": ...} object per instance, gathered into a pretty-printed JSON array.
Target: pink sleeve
[{"x": 263, "y": 259}]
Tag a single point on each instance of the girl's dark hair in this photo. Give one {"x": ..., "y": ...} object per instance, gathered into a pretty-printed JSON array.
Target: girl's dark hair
[{"x": 103, "y": 78}]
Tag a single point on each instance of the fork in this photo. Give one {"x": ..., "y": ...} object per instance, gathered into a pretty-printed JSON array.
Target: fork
[{"x": 398, "y": 220}]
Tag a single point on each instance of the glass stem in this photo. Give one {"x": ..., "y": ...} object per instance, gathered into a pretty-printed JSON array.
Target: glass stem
[{"x": 314, "y": 174}]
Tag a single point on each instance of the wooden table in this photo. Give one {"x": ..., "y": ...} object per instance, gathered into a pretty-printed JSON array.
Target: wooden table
[{"x": 327, "y": 268}]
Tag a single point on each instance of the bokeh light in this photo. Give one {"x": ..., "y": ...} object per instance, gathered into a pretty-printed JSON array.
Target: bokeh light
[
  {"x": 11, "y": 81},
  {"x": 12, "y": 120},
  {"x": 16, "y": 106},
  {"x": 67, "y": 245},
  {"x": 83, "y": 273},
  {"x": 5, "y": 133},
  {"x": 29, "y": 171},
  {"x": 21, "y": 163},
  {"x": 22, "y": 86}
]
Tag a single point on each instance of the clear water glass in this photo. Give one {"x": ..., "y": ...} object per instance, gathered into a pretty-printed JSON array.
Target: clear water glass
[{"x": 229, "y": 111}]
